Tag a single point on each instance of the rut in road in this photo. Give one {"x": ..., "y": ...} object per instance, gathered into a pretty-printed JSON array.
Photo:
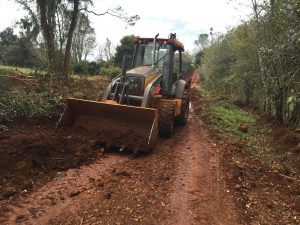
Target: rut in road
[{"x": 199, "y": 195}]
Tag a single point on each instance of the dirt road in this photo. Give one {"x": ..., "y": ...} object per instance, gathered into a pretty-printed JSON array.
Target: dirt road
[
  {"x": 199, "y": 194},
  {"x": 179, "y": 182}
]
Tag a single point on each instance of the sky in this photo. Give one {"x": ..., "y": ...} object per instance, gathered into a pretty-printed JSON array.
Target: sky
[{"x": 187, "y": 18}]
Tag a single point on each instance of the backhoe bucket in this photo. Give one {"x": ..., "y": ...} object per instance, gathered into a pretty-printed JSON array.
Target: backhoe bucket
[{"x": 118, "y": 125}]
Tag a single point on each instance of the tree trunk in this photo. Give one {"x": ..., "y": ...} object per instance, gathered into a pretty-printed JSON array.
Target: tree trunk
[
  {"x": 263, "y": 72},
  {"x": 294, "y": 119},
  {"x": 48, "y": 26},
  {"x": 279, "y": 101},
  {"x": 69, "y": 40}
]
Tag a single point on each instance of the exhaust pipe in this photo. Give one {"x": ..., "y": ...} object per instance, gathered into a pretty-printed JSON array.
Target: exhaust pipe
[{"x": 154, "y": 49}]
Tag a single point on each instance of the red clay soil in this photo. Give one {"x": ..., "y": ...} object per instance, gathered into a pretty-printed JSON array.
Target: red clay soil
[
  {"x": 180, "y": 182},
  {"x": 34, "y": 148},
  {"x": 195, "y": 177}
]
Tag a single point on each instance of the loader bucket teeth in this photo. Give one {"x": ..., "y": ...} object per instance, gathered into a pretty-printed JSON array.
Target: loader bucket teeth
[{"x": 119, "y": 125}]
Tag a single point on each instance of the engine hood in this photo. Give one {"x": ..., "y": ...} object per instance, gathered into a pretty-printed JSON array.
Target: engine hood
[{"x": 142, "y": 71}]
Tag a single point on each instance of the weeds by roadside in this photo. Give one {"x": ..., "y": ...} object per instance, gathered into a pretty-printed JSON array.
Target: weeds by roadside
[{"x": 226, "y": 119}]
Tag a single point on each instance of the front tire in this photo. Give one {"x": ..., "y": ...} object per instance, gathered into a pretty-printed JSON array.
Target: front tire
[{"x": 166, "y": 113}]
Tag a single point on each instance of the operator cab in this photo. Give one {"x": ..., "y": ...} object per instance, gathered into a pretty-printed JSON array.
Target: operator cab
[
  {"x": 167, "y": 58},
  {"x": 146, "y": 66}
]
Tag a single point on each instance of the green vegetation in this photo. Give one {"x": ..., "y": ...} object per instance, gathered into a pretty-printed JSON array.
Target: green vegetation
[
  {"x": 226, "y": 118},
  {"x": 36, "y": 97},
  {"x": 15, "y": 51},
  {"x": 66, "y": 31},
  {"x": 30, "y": 104},
  {"x": 257, "y": 62},
  {"x": 110, "y": 71},
  {"x": 24, "y": 70},
  {"x": 125, "y": 48},
  {"x": 86, "y": 68}
]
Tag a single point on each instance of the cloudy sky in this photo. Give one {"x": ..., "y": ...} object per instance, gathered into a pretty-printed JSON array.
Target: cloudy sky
[{"x": 188, "y": 18}]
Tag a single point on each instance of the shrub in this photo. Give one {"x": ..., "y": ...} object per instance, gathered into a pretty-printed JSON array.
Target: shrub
[
  {"x": 43, "y": 104},
  {"x": 86, "y": 68},
  {"x": 110, "y": 71}
]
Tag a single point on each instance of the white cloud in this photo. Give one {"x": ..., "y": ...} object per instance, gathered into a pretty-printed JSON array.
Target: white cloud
[{"x": 188, "y": 18}]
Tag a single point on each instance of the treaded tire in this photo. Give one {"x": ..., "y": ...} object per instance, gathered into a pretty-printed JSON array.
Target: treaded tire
[
  {"x": 166, "y": 113},
  {"x": 185, "y": 109}
]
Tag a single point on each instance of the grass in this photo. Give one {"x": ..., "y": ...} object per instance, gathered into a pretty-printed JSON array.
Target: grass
[
  {"x": 225, "y": 118},
  {"x": 23, "y": 70}
]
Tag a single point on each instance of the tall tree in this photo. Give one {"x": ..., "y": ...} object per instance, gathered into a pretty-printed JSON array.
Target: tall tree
[
  {"x": 107, "y": 50},
  {"x": 7, "y": 36},
  {"x": 126, "y": 47},
  {"x": 84, "y": 38},
  {"x": 45, "y": 14},
  {"x": 202, "y": 42},
  {"x": 13, "y": 50}
]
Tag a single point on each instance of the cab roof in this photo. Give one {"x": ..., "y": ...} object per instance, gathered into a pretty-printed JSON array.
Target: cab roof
[{"x": 173, "y": 42}]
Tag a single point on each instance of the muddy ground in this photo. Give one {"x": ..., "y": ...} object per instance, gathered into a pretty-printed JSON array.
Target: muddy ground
[{"x": 51, "y": 176}]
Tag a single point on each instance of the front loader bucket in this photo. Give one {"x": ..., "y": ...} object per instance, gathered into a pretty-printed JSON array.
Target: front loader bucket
[{"x": 119, "y": 125}]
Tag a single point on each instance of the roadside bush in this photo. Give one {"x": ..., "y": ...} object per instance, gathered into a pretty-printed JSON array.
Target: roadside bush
[
  {"x": 110, "y": 71},
  {"x": 40, "y": 98},
  {"x": 44, "y": 104},
  {"x": 86, "y": 68}
]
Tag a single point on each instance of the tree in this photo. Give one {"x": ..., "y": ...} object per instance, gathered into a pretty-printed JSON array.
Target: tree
[
  {"x": 258, "y": 61},
  {"x": 46, "y": 16},
  {"x": 84, "y": 39},
  {"x": 13, "y": 50},
  {"x": 8, "y": 37},
  {"x": 199, "y": 58},
  {"x": 125, "y": 48},
  {"x": 202, "y": 42},
  {"x": 108, "y": 50}
]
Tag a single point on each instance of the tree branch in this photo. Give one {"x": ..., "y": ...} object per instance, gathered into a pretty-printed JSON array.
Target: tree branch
[
  {"x": 117, "y": 12},
  {"x": 101, "y": 14}
]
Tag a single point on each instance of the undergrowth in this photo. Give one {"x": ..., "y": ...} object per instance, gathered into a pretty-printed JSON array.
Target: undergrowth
[
  {"x": 226, "y": 118},
  {"x": 40, "y": 99},
  {"x": 23, "y": 70}
]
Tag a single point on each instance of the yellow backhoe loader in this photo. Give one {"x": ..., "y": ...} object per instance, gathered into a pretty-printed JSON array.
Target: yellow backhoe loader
[{"x": 145, "y": 100}]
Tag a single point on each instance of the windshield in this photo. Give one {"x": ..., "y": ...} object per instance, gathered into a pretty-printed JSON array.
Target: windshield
[{"x": 144, "y": 54}]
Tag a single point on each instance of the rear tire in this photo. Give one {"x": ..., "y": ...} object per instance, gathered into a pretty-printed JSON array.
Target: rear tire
[
  {"x": 166, "y": 113},
  {"x": 185, "y": 109}
]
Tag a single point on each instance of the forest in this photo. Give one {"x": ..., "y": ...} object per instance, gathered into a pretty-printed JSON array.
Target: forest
[{"x": 257, "y": 62}]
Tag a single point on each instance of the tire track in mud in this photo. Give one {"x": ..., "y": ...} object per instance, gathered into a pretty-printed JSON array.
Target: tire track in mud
[
  {"x": 199, "y": 194},
  {"x": 43, "y": 204}
]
